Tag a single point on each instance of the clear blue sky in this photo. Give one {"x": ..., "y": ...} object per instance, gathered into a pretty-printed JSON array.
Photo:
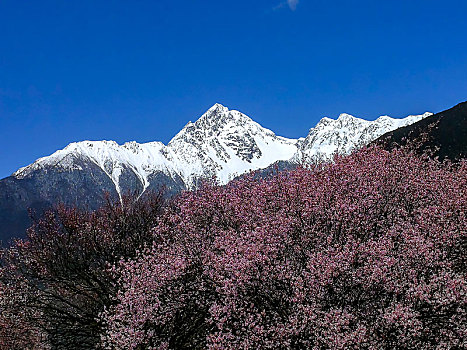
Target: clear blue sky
[{"x": 140, "y": 70}]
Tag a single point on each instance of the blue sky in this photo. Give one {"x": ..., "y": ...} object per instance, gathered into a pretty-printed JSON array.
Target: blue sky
[{"x": 140, "y": 70}]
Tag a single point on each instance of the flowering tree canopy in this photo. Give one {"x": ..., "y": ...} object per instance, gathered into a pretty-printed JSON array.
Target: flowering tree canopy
[
  {"x": 54, "y": 284},
  {"x": 369, "y": 252}
]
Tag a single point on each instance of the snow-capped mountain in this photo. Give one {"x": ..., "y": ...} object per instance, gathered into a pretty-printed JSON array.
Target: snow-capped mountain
[
  {"x": 222, "y": 143},
  {"x": 346, "y": 134},
  {"x": 225, "y": 143}
]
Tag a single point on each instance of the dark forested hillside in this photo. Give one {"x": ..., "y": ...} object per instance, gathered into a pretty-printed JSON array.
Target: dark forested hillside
[{"x": 445, "y": 133}]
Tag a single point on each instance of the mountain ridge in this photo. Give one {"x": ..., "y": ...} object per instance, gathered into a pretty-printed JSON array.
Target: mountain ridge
[
  {"x": 221, "y": 143},
  {"x": 208, "y": 127}
]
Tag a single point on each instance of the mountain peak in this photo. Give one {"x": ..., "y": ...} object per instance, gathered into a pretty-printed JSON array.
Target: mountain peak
[
  {"x": 383, "y": 118},
  {"x": 325, "y": 121},
  {"x": 345, "y": 116},
  {"x": 218, "y": 107},
  {"x": 214, "y": 113},
  {"x": 219, "y": 117},
  {"x": 221, "y": 142}
]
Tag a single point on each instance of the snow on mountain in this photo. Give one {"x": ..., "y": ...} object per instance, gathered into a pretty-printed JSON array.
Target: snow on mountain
[
  {"x": 112, "y": 158},
  {"x": 222, "y": 143},
  {"x": 346, "y": 134}
]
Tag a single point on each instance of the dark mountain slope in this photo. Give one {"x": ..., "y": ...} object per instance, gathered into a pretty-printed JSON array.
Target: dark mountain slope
[
  {"x": 445, "y": 133},
  {"x": 85, "y": 188},
  {"x": 40, "y": 190}
]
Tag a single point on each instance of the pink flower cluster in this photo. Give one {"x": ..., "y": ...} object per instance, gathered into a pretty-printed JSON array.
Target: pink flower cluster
[{"x": 368, "y": 252}]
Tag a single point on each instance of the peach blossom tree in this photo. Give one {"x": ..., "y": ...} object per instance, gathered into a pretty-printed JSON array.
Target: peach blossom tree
[{"x": 368, "y": 252}]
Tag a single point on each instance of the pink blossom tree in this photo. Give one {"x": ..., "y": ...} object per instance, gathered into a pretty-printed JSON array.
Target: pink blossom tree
[
  {"x": 54, "y": 284},
  {"x": 369, "y": 252}
]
